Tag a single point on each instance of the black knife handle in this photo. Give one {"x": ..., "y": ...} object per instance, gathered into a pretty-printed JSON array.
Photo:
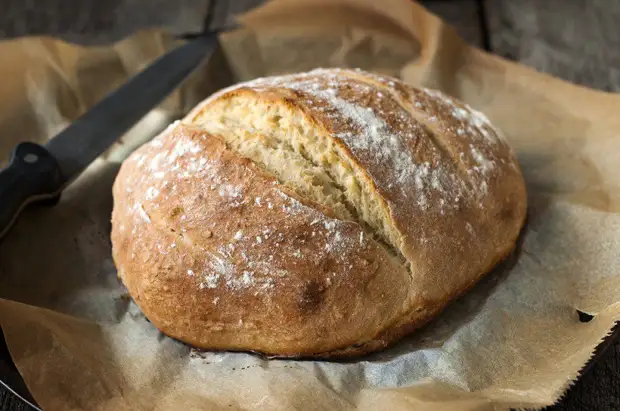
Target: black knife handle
[{"x": 33, "y": 175}]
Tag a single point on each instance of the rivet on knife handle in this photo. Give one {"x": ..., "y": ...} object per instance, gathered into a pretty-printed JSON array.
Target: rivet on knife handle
[{"x": 33, "y": 175}]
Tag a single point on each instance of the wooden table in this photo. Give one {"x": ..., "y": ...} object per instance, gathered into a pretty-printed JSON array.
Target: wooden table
[{"x": 577, "y": 40}]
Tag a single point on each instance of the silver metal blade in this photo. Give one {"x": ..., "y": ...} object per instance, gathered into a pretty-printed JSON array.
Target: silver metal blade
[{"x": 95, "y": 131}]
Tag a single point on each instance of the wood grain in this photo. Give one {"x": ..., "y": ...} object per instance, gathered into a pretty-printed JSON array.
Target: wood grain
[
  {"x": 598, "y": 388},
  {"x": 577, "y": 40},
  {"x": 463, "y": 15},
  {"x": 10, "y": 402}
]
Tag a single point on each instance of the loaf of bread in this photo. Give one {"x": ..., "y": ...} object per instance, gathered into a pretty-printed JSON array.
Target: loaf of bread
[{"x": 320, "y": 214}]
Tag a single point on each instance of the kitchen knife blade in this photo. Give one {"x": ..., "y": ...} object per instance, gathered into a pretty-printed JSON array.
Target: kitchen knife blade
[{"x": 39, "y": 173}]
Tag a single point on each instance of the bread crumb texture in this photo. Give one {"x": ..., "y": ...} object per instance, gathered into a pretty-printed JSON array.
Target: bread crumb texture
[{"x": 325, "y": 214}]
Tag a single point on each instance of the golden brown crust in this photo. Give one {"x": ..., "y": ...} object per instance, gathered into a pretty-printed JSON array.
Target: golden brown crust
[
  {"x": 263, "y": 272},
  {"x": 219, "y": 255}
]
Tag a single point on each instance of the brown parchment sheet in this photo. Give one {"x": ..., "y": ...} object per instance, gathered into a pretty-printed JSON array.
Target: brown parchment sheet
[{"x": 515, "y": 340}]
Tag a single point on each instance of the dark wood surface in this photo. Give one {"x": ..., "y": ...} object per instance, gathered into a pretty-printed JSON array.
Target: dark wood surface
[
  {"x": 578, "y": 40},
  {"x": 9, "y": 402}
]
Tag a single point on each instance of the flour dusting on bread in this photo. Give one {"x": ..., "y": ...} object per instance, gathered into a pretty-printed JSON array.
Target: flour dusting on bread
[
  {"x": 370, "y": 134},
  {"x": 318, "y": 214}
]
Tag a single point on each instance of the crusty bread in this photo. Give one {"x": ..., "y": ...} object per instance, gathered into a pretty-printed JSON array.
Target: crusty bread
[{"x": 320, "y": 214}]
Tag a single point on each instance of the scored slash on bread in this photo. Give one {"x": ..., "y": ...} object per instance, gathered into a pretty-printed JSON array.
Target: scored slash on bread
[{"x": 321, "y": 214}]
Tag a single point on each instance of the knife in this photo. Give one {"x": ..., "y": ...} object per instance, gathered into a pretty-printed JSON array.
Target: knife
[{"x": 38, "y": 173}]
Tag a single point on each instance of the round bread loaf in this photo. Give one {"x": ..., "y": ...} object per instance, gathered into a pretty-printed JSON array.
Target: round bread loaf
[{"x": 320, "y": 214}]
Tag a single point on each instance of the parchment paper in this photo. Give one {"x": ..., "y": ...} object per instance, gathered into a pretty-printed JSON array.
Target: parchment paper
[{"x": 515, "y": 340}]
